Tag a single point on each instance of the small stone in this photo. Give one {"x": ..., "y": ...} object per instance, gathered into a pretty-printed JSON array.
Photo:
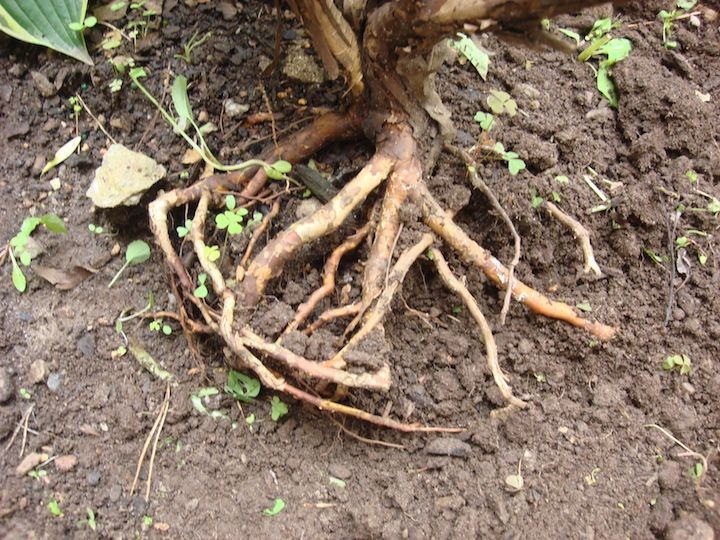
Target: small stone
[
  {"x": 55, "y": 183},
  {"x": 233, "y": 109},
  {"x": 38, "y": 371},
  {"x": 46, "y": 88},
  {"x": 93, "y": 478},
  {"x": 227, "y": 10},
  {"x": 16, "y": 129},
  {"x": 53, "y": 382},
  {"x": 86, "y": 345},
  {"x": 115, "y": 250},
  {"x": 115, "y": 492},
  {"x": 689, "y": 527},
  {"x": 448, "y": 446},
  {"x": 7, "y": 388},
  {"x": 302, "y": 67},
  {"x": 65, "y": 463},
  {"x": 449, "y": 502},
  {"x": 338, "y": 470}
]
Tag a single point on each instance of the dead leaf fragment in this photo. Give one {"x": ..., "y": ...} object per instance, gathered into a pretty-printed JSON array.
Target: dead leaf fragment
[
  {"x": 64, "y": 279},
  {"x": 191, "y": 156},
  {"x": 30, "y": 462}
]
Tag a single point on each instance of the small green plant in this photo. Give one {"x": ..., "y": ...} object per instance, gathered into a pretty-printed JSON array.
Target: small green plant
[
  {"x": 75, "y": 106},
  {"x": 115, "y": 85},
  {"x": 501, "y": 103},
  {"x": 477, "y": 57},
  {"x": 184, "y": 230},
  {"x": 64, "y": 152},
  {"x": 278, "y": 409},
  {"x": 680, "y": 362},
  {"x": 602, "y": 44},
  {"x": 201, "y": 291},
  {"x": 584, "y": 306},
  {"x": 87, "y": 22},
  {"x": 241, "y": 386},
  {"x": 191, "y": 44},
  {"x": 231, "y": 219},
  {"x": 486, "y": 120},
  {"x": 18, "y": 246},
  {"x": 38, "y": 474},
  {"x": 185, "y": 119},
  {"x": 25, "y": 393},
  {"x": 147, "y": 520},
  {"x": 158, "y": 325},
  {"x": 212, "y": 253},
  {"x": 277, "y": 507},
  {"x": 514, "y": 163},
  {"x": 137, "y": 252},
  {"x": 95, "y": 229},
  {"x": 54, "y": 508},
  {"x": 90, "y": 520},
  {"x": 668, "y": 19}
]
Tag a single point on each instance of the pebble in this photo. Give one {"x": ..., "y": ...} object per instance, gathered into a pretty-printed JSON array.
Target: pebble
[
  {"x": 65, "y": 463},
  {"x": 86, "y": 345},
  {"x": 233, "y": 109},
  {"x": 338, "y": 470},
  {"x": 689, "y": 527},
  {"x": 38, "y": 371},
  {"x": 46, "y": 88},
  {"x": 448, "y": 446},
  {"x": 7, "y": 388},
  {"x": 93, "y": 478},
  {"x": 53, "y": 382},
  {"x": 17, "y": 129},
  {"x": 114, "y": 493},
  {"x": 227, "y": 10},
  {"x": 449, "y": 502}
]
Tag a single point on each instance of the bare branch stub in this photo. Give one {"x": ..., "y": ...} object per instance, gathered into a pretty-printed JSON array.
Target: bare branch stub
[{"x": 388, "y": 70}]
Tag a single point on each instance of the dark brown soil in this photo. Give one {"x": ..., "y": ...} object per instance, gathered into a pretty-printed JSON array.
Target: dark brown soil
[{"x": 591, "y": 466}]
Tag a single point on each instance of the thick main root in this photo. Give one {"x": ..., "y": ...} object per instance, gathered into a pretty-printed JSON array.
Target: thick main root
[{"x": 396, "y": 163}]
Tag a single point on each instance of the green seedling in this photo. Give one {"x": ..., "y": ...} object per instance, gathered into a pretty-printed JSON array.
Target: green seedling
[
  {"x": 679, "y": 361},
  {"x": 276, "y": 508},
  {"x": 501, "y": 103},
  {"x": 657, "y": 259},
  {"x": 572, "y": 35},
  {"x": 514, "y": 163},
  {"x": 185, "y": 119},
  {"x": 25, "y": 393},
  {"x": 18, "y": 247},
  {"x": 609, "y": 51},
  {"x": 157, "y": 325},
  {"x": 147, "y": 521},
  {"x": 197, "y": 401},
  {"x": 184, "y": 230},
  {"x": 477, "y": 57},
  {"x": 74, "y": 102},
  {"x": 38, "y": 474},
  {"x": 87, "y": 22},
  {"x": 515, "y": 481},
  {"x": 64, "y": 152},
  {"x": 536, "y": 201},
  {"x": 212, "y": 253},
  {"x": 242, "y": 387},
  {"x": 95, "y": 229},
  {"x": 250, "y": 419},
  {"x": 668, "y": 19},
  {"x": 696, "y": 471},
  {"x": 486, "y": 120},
  {"x": 691, "y": 175},
  {"x": 231, "y": 219},
  {"x": 278, "y": 409},
  {"x": 190, "y": 45},
  {"x": 202, "y": 290},
  {"x": 584, "y": 306},
  {"x": 115, "y": 85},
  {"x": 54, "y": 508},
  {"x": 137, "y": 252},
  {"x": 90, "y": 520}
]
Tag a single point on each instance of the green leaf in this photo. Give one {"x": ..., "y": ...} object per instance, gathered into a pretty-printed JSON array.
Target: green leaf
[
  {"x": 18, "y": 278},
  {"x": 686, "y": 4},
  {"x": 478, "y": 58},
  {"x": 65, "y": 151},
  {"x": 25, "y": 258},
  {"x": 486, "y": 120},
  {"x": 53, "y": 223},
  {"x": 501, "y": 102},
  {"x": 230, "y": 202},
  {"x": 212, "y": 253},
  {"x": 278, "y": 409},
  {"x": 536, "y": 201},
  {"x": 584, "y": 306},
  {"x": 222, "y": 221},
  {"x": 241, "y": 386},
  {"x": 137, "y": 252},
  {"x": 282, "y": 166},
  {"x": 276, "y": 509},
  {"x": 180, "y": 99},
  {"x": 47, "y": 23},
  {"x": 572, "y": 35},
  {"x": 54, "y": 508},
  {"x": 197, "y": 397},
  {"x": 606, "y": 86},
  {"x": 616, "y": 49},
  {"x": 515, "y": 166}
]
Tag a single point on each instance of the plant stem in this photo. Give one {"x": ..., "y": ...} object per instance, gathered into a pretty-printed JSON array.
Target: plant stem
[{"x": 114, "y": 279}]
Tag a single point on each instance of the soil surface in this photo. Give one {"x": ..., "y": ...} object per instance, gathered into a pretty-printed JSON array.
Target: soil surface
[{"x": 591, "y": 467}]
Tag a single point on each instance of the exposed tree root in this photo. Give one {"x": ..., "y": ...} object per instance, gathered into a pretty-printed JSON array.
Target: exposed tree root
[
  {"x": 580, "y": 232},
  {"x": 390, "y": 77}
]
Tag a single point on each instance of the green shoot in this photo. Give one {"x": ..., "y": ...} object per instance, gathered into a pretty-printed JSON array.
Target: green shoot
[
  {"x": 514, "y": 163},
  {"x": 202, "y": 290},
  {"x": 276, "y": 509},
  {"x": 679, "y": 361},
  {"x": 501, "y": 103},
  {"x": 88, "y": 22},
  {"x": 191, "y": 44},
  {"x": 18, "y": 246},
  {"x": 137, "y": 252},
  {"x": 54, "y": 508},
  {"x": 147, "y": 521},
  {"x": 90, "y": 521},
  {"x": 231, "y": 219},
  {"x": 95, "y": 229},
  {"x": 584, "y": 306},
  {"x": 157, "y": 325},
  {"x": 242, "y": 387},
  {"x": 477, "y": 57},
  {"x": 64, "y": 152},
  {"x": 278, "y": 409},
  {"x": 184, "y": 230},
  {"x": 486, "y": 120},
  {"x": 668, "y": 19}
]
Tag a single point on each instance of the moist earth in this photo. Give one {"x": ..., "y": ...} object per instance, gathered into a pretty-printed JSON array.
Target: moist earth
[{"x": 591, "y": 463}]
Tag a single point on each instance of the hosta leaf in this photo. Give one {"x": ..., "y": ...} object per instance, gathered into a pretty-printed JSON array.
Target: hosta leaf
[{"x": 46, "y": 22}]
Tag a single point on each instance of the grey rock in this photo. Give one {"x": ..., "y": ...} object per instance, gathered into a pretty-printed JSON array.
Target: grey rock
[
  {"x": 93, "y": 478},
  {"x": 338, "y": 470},
  {"x": 448, "y": 446},
  {"x": 53, "y": 382},
  {"x": 7, "y": 388},
  {"x": 86, "y": 345},
  {"x": 38, "y": 371}
]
